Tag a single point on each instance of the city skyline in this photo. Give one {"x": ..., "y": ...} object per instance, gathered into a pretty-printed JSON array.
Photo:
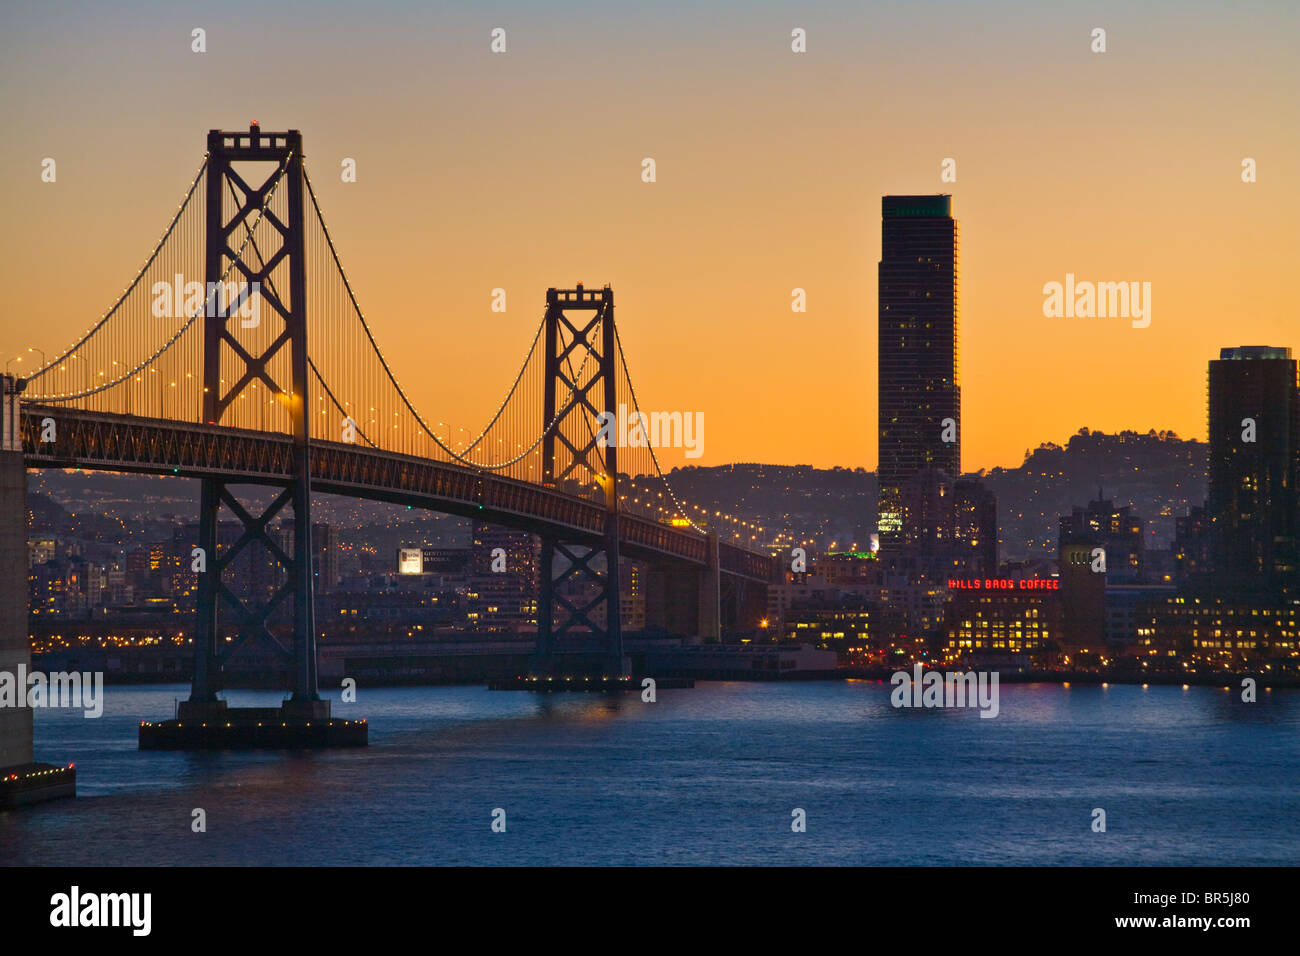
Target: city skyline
[
  {"x": 930, "y": 498},
  {"x": 707, "y": 256}
]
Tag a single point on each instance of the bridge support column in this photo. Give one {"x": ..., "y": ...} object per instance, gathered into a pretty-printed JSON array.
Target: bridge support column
[
  {"x": 672, "y": 599},
  {"x": 710, "y": 601},
  {"x": 21, "y": 780},
  {"x": 591, "y": 464},
  {"x": 744, "y": 604},
  {"x": 613, "y": 665},
  {"x": 543, "y": 653},
  {"x": 204, "y": 689},
  {"x": 231, "y": 365}
]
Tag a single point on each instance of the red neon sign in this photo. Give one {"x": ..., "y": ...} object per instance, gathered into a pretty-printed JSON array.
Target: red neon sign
[{"x": 1004, "y": 584}]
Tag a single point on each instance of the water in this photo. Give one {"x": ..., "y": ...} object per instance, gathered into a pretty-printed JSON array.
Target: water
[{"x": 703, "y": 776}]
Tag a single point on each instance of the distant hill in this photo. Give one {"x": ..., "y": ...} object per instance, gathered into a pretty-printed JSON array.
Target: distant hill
[
  {"x": 834, "y": 506},
  {"x": 1161, "y": 475}
]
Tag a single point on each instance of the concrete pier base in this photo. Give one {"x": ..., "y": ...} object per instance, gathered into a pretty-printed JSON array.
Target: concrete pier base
[
  {"x": 295, "y": 725},
  {"x": 36, "y": 783},
  {"x": 22, "y": 780}
]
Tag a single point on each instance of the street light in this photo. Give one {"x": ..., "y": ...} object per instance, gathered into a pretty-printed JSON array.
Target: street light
[{"x": 19, "y": 358}]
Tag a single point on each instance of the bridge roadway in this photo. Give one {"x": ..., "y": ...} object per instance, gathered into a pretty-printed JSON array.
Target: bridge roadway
[{"x": 110, "y": 442}]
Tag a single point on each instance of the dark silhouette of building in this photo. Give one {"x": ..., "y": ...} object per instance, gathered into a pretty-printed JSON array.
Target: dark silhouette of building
[
  {"x": 1117, "y": 531},
  {"x": 1192, "y": 550},
  {"x": 324, "y": 539},
  {"x": 975, "y": 525},
  {"x": 503, "y": 582},
  {"x": 1254, "y": 424},
  {"x": 1085, "y": 581},
  {"x": 950, "y": 525},
  {"x": 918, "y": 338}
]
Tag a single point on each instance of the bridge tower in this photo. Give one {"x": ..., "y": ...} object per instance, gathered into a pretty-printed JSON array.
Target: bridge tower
[
  {"x": 272, "y": 156},
  {"x": 579, "y": 328}
]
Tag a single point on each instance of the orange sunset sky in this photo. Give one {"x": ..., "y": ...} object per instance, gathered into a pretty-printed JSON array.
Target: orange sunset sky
[{"x": 523, "y": 170}]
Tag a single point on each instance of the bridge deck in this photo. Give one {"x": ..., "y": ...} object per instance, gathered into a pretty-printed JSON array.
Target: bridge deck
[{"x": 109, "y": 442}]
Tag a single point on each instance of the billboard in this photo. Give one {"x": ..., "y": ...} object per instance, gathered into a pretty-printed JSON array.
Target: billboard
[{"x": 410, "y": 560}]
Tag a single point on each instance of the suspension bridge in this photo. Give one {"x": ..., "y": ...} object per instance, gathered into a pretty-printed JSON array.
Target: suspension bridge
[{"x": 239, "y": 355}]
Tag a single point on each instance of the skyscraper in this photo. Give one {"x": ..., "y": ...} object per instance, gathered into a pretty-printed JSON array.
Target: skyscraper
[
  {"x": 503, "y": 583},
  {"x": 1254, "y": 512},
  {"x": 918, "y": 361},
  {"x": 1088, "y": 585},
  {"x": 950, "y": 525},
  {"x": 1117, "y": 531}
]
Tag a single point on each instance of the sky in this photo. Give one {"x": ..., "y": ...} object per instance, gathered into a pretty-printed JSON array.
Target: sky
[{"x": 478, "y": 170}]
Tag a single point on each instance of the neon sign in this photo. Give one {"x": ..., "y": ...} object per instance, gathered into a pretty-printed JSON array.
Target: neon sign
[{"x": 1004, "y": 584}]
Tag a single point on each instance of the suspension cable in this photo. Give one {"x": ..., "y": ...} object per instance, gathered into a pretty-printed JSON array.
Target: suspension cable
[
  {"x": 202, "y": 308},
  {"x": 622, "y": 355},
  {"x": 393, "y": 378},
  {"x": 189, "y": 193}
]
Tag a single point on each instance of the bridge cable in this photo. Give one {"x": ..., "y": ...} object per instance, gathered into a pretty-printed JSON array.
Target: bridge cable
[
  {"x": 261, "y": 261},
  {"x": 189, "y": 193},
  {"x": 181, "y": 331},
  {"x": 393, "y": 378},
  {"x": 622, "y": 354}
]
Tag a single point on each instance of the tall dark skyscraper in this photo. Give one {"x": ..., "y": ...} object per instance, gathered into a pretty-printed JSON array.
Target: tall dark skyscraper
[
  {"x": 918, "y": 359},
  {"x": 1253, "y": 508}
]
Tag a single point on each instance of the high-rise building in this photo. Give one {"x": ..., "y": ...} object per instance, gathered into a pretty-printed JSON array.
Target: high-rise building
[
  {"x": 1253, "y": 508},
  {"x": 1192, "y": 550},
  {"x": 631, "y": 597},
  {"x": 1099, "y": 548},
  {"x": 1117, "y": 531},
  {"x": 504, "y": 566},
  {"x": 324, "y": 541},
  {"x": 975, "y": 525},
  {"x": 919, "y": 387},
  {"x": 949, "y": 524}
]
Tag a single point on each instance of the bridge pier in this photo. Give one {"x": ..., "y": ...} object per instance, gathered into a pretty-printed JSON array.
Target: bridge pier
[
  {"x": 22, "y": 780},
  {"x": 671, "y": 598},
  {"x": 684, "y": 600},
  {"x": 711, "y": 594},
  {"x": 745, "y": 602}
]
